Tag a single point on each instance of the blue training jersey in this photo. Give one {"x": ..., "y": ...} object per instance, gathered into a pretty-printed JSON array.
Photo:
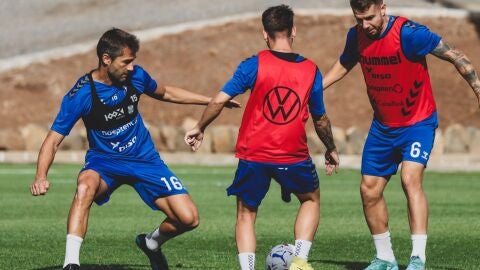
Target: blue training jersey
[
  {"x": 416, "y": 39},
  {"x": 130, "y": 141},
  {"x": 246, "y": 74}
]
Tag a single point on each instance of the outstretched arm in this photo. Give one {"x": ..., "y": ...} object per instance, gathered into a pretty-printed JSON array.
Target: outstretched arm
[
  {"x": 194, "y": 137},
  {"x": 179, "y": 95},
  {"x": 336, "y": 73},
  {"x": 461, "y": 62},
  {"x": 324, "y": 131},
  {"x": 45, "y": 158}
]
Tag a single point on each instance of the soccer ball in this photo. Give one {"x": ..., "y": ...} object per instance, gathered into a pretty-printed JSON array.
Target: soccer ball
[{"x": 280, "y": 257}]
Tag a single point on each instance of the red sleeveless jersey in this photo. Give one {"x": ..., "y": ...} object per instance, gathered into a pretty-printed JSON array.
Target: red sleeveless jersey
[
  {"x": 399, "y": 89},
  {"x": 273, "y": 124}
]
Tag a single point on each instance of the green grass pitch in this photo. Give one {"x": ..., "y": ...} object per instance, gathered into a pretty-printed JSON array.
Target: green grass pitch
[{"x": 32, "y": 229}]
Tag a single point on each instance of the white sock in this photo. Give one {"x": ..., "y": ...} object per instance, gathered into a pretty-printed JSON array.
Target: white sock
[
  {"x": 302, "y": 248},
  {"x": 72, "y": 250},
  {"x": 155, "y": 239},
  {"x": 383, "y": 245},
  {"x": 247, "y": 260},
  {"x": 419, "y": 243}
]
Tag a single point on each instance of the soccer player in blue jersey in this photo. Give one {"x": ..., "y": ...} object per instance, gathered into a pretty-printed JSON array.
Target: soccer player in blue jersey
[
  {"x": 391, "y": 51},
  {"x": 121, "y": 150},
  {"x": 285, "y": 88}
]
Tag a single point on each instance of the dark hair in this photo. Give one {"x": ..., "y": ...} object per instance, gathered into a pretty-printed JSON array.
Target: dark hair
[
  {"x": 362, "y": 5},
  {"x": 277, "y": 19},
  {"x": 114, "y": 41}
]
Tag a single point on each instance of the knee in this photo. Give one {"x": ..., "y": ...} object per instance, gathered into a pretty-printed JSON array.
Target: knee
[
  {"x": 86, "y": 188},
  {"x": 85, "y": 193},
  {"x": 412, "y": 183},
  {"x": 369, "y": 193},
  {"x": 190, "y": 222}
]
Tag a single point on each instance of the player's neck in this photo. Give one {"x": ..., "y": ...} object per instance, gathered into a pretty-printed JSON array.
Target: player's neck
[
  {"x": 282, "y": 45},
  {"x": 386, "y": 18},
  {"x": 101, "y": 75}
]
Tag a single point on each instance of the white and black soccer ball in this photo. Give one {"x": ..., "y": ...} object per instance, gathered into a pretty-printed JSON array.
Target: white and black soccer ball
[{"x": 280, "y": 257}]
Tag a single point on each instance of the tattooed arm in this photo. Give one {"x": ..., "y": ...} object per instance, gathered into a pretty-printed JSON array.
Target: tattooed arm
[
  {"x": 461, "y": 62},
  {"x": 324, "y": 131}
]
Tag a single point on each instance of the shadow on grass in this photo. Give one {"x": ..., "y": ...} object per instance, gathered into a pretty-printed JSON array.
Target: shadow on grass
[
  {"x": 99, "y": 266},
  {"x": 347, "y": 265},
  {"x": 363, "y": 265},
  {"x": 122, "y": 267}
]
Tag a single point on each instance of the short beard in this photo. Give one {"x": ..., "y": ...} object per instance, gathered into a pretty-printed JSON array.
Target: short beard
[
  {"x": 114, "y": 79},
  {"x": 376, "y": 36}
]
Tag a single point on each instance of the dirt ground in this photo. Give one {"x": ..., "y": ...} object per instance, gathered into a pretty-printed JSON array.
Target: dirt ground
[{"x": 202, "y": 61}]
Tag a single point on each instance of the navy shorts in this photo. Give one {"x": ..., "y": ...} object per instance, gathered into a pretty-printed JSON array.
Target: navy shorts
[
  {"x": 252, "y": 179},
  {"x": 152, "y": 179},
  {"x": 386, "y": 147}
]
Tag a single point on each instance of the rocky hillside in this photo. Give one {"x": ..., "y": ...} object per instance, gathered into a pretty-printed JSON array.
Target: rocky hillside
[{"x": 202, "y": 61}]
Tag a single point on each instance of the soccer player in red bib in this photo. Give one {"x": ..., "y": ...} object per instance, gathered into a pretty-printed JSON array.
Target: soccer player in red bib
[
  {"x": 391, "y": 51},
  {"x": 272, "y": 142}
]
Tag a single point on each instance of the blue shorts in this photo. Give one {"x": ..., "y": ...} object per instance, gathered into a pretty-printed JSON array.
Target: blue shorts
[
  {"x": 252, "y": 179},
  {"x": 386, "y": 147},
  {"x": 150, "y": 178}
]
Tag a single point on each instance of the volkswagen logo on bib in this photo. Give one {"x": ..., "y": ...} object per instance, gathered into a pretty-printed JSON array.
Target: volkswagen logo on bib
[{"x": 281, "y": 105}]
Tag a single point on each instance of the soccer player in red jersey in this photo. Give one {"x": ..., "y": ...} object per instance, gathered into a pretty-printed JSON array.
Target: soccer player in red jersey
[
  {"x": 391, "y": 51},
  {"x": 272, "y": 141}
]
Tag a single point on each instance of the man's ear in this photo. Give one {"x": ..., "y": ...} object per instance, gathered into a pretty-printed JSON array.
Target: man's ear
[
  {"x": 294, "y": 31},
  {"x": 106, "y": 59},
  {"x": 383, "y": 9},
  {"x": 265, "y": 35}
]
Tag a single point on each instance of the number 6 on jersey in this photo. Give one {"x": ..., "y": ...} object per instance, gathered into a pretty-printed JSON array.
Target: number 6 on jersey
[{"x": 415, "y": 150}]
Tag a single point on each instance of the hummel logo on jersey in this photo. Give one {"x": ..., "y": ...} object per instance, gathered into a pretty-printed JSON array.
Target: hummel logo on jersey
[
  {"x": 118, "y": 113},
  {"x": 381, "y": 60},
  {"x": 78, "y": 85},
  {"x": 410, "y": 24}
]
